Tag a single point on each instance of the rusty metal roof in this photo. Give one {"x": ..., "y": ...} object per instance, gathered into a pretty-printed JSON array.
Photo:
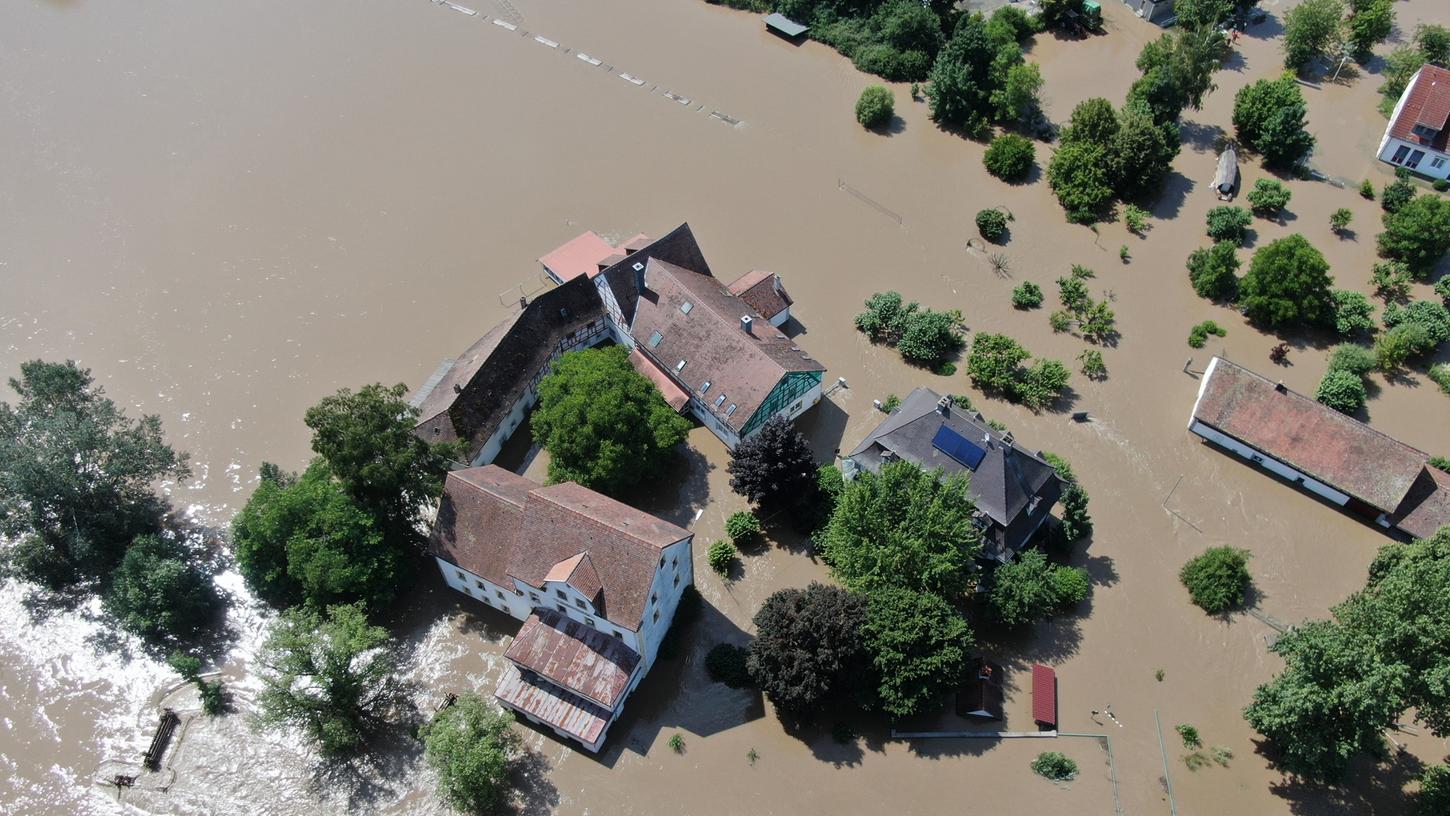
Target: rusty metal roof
[
  {"x": 1338, "y": 450},
  {"x": 575, "y": 657},
  {"x": 567, "y": 712}
]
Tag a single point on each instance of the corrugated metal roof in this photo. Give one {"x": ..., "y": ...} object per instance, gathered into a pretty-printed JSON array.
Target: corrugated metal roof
[
  {"x": 1044, "y": 695},
  {"x": 567, "y": 712},
  {"x": 575, "y": 657}
]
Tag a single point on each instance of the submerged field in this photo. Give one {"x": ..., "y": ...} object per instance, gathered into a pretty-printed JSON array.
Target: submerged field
[{"x": 228, "y": 212}]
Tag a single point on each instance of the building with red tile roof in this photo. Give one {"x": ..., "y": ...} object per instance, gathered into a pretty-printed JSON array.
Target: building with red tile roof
[
  {"x": 764, "y": 293},
  {"x": 595, "y": 581},
  {"x": 1419, "y": 129},
  {"x": 1329, "y": 454}
]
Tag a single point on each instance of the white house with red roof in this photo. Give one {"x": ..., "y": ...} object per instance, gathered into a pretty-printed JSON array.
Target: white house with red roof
[
  {"x": 1419, "y": 130},
  {"x": 595, "y": 582}
]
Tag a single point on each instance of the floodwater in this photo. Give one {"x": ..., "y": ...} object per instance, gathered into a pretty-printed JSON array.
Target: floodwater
[{"x": 230, "y": 210}]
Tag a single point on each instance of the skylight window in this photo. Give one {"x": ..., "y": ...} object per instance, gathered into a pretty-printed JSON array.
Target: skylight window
[
  {"x": 720, "y": 400},
  {"x": 705, "y": 386},
  {"x": 680, "y": 366},
  {"x": 686, "y": 307},
  {"x": 654, "y": 339},
  {"x": 638, "y": 267},
  {"x": 731, "y": 410}
]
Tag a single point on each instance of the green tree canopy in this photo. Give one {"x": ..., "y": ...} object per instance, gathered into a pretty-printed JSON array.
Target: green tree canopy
[
  {"x": 366, "y": 438},
  {"x": 160, "y": 592},
  {"x": 1370, "y": 23},
  {"x": 808, "y": 648},
  {"x": 604, "y": 424},
  {"x": 922, "y": 336},
  {"x": 918, "y": 645},
  {"x": 875, "y": 106},
  {"x": 332, "y": 677},
  {"x": 1218, "y": 579},
  {"x": 1178, "y": 67},
  {"x": 76, "y": 477},
  {"x": 775, "y": 467},
  {"x": 1269, "y": 116},
  {"x": 903, "y": 527},
  {"x": 1311, "y": 30},
  {"x": 961, "y": 81},
  {"x": 1079, "y": 175},
  {"x": 472, "y": 747},
  {"x": 1029, "y": 589},
  {"x": 1009, "y": 157},
  {"x": 1417, "y": 234},
  {"x": 304, "y": 540},
  {"x": 1212, "y": 271},
  {"x": 1287, "y": 282},
  {"x": 1141, "y": 152}
]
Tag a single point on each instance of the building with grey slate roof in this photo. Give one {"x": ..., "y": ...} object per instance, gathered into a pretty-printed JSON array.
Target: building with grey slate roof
[{"x": 1014, "y": 488}]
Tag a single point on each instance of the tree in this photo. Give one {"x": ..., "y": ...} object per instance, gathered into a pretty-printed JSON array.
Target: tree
[
  {"x": 1054, "y": 13},
  {"x": 1339, "y": 220},
  {"x": 1356, "y": 360},
  {"x": 875, "y": 106},
  {"x": 304, "y": 540},
  {"x": 1076, "y": 523},
  {"x": 1029, "y": 589},
  {"x": 1311, "y": 30},
  {"x": 1141, "y": 152},
  {"x": 604, "y": 424},
  {"x": 992, "y": 224},
  {"x": 1213, "y": 271},
  {"x": 1178, "y": 68},
  {"x": 1055, "y": 765},
  {"x": 885, "y": 319},
  {"x": 903, "y": 527},
  {"x": 1041, "y": 384},
  {"x": 1091, "y": 364},
  {"x": 1391, "y": 281},
  {"x": 1397, "y": 193},
  {"x": 1352, "y": 312},
  {"x": 1434, "y": 794},
  {"x": 1370, "y": 23},
  {"x": 1342, "y": 391},
  {"x": 1268, "y": 198},
  {"x": 1093, "y": 121},
  {"x": 1017, "y": 99},
  {"x": 917, "y": 645},
  {"x": 1027, "y": 295},
  {"x": 1078, "y": 175},
  {"x": 775, "y": 467},
  {"x": 1227, "y": 223},
  {"x": 930, "y": 338},
  {"x": 76, "y": 477},
  {"x": 1196, "y": 14},
  {"x": 1268, "y": 116},
  {"x": 994, "y": 361},
  {"x": 160, "y": 593},
  {"x": 1394, "y": 347},
  {"x": 1430, "y": 315},
  {"x": 1417, "y": 234},
  {"x": 721, "y": 557},
  {"x": 472, "y": 747},
  {"x": 741, "y": 526},
  {"x": 1009, "y": 157},
  {"x": 808, "y": 648},
  {"x": 960, "y": 84},
  {"x": 332, "y": 677},
  {"x": 1287, "y": 282},
  {"x": 366, "y": 438}
]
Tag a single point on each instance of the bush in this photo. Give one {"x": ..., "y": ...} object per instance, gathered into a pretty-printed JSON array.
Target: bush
[
  {"x": 721, "y": 557},
  {"x": 1268, "y": 116},
  {"x": 1213, "y": 271},
  {"x": 676, "y": 743},
  {"x": 1397, "y": 193},
  {"x": 1217, "y": 580},
  {"x": 1092, "y": 363},
  {"x": 922, "y": 336},
  {"x": 1399, "y": 344},
  {"x": 1352, "y": 312},
  {"x": 1442, "y": 288},
  {"x": 1341, "y": 390},
  {"x": 1440, "y": 374},
  {"x": 160, "y": 593},
  {"x": 1227, "y": 223},
  {"x": 1433, "y": 798},
  {"x": 1009, "y": 157},
  {"x": 1027, "y": 295},
  {"x": 1029, "y": 589},
  {"x": 1430, "y": 315},
  {"x": 1417, "y": 234},
  {"x": 1391, "y": 281},
  {"x": 1357, "y": 360},
  {"x": 1440, "y": 185},
  {"x": 1190, "y": 736},
  {"x": 726, "y": 663},
  {"x": 1366, "y": 189},
  {"x": 1199, "y": 334},
  {"x": 742, "y": 525},
  {"x": 1136, "y": 219},
  {"x": 875, "y": 106},
  {"x": 1339, "y": 219},
  {"x": 1268, "y": 198},
  {"x": 1440, "y": 463},
  {"x": 992, "y": 224},
  {"x": 1054, "y": 766},
  {"x": 472, "y": 746},
  {"x": 1310, "y": 30},
  {"x": 891, "y": 403}
]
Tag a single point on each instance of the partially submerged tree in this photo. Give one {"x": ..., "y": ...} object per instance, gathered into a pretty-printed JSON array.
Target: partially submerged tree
[
  {"x": 161, "y": 593},
  {"x": 918, "y": 645},
  {"x": 1311, "y": 30},
  {"x": 808, "y": 648},
  {"x": 604, "y": 424},
  {"x": 1417, "y": 234},
  {"x": 1218, "y": 579},
  {"x": 472, "y": 747},
  {"x": 1287, "y": 282},
  {"x": 1029, "y": 589},
  {"x": 774, "y": 468},
  {"x": 1212, "y": 271},
  {"x": 1268, "y": 116}
]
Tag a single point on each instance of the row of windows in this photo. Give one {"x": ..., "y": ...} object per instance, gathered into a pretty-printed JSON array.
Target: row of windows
[{"x": 534, "y": 598}]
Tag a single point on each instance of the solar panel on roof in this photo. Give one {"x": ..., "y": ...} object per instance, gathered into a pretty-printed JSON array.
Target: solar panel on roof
[{"x": 964, "y": 451}]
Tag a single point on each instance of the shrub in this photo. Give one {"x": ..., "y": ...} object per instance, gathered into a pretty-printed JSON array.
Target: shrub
[
  {"x": 875, "y": 106},
  {"x": 1136, "y": 218},
  {"x": 1366, "y": 189},
  {"x": 1440, "y": 185},
  {"x": 742, "y": 525},
  {"x": 1357, "y": 360},
  {"x": 1123, "y": 253},
  {"x": 1352, "y": 312},
  {"x": 1092, "y": 364},
  {"x": 1432, "y": 316},
  {"x": 1199, "y": 334},
  {"x": 1341, "y": 390},
  {"x": 1009, "y": 157},
  {"x": 1027, "y": 295},
  {"x": 1339, "y": 219},
  {"x": 1399, "y": 344},
  {"x": 992, "y": 223},
  {"x": 1268, "y": 198},
  {"x": 1418, "y": 234},
  {"x": 1054, "y": 766},
  {"x": 1227, "y": 223},
  {"x": 721, "y": 557},
  {"x": 1434, "y": 794},
  {"x": 1029, "y": 589},
  {"x": 472, "y": 746},
  {"x": 677, "y": 743},
  {"x": 1440, "y": 463},
  {"x": 1217, "y": 580},
  {"x": 1391, "y": 281},
  {"x": 891, "y": 403},
  {"x": 726, "y": 663},
  {"x": 1397, "y": 193},
  {"x": 1440, "y": 374},
  {"x": 1190, "y": 737},
  {"x": 1213, "y": 271},
  {"x": 1442, "y": 288},
  {"x": 1060, "y": 320},
  {"x": 922, "y": 336}
]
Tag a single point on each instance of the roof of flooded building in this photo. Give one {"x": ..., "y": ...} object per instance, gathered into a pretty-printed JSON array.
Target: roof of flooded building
[
  {"x": 579, "y": 257},
  {"x": 674, "y": 396},
  {"x": 501, "y": 526},
  {"x": 1427, "y": 103},
  {"x": 693, "y": 327},
  {"x": 1312, "y": 438},
  {"x": 575, "y": 657},
  {"x": 1426, "y": 508},
  {"x": 1005, "y": 477},
  {"x": 570, "y": 713},
  {"x": 763, "y": 292}
]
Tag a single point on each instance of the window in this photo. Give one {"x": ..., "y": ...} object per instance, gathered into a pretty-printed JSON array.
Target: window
[
  {"x": 618, "y": 635},
  {"x": 562, "y": 608},
  {"x": 686, "y": 307},
  {"x": 655, "y": 338},
  {"x": 1257, "y": 459},
  {"x": 478, "y": 583},
  {"x": 797, "y": 406},
  {"x": 561, "y": 594},
  {"x": 588, "y": 620},
  {"x": 677, "y": 580},
  {"x": 499, "y": 593},
  {"x": 654, "y": 598},
  {"x": 705, "y": 386},
  {"x": 731, "y": 410},
  {"x": 638, "y": 267},
  {"x": 656, "y": 616},
  {"x": 578, "y": 603},
  {"x": 720, "y": 400},
  {"x": 460, "y": 575},
  {"x": 680, "y": 366},
  {"x": 533, "y": 596},
  {"x": 1414, "y": 160},
  {"x": 674, "y": 562},
  {"x": 662, "y": 562},
  {"x": 1424, "y": 131},
  {"x": 1437, "y": 162},
  {"x": 1400, "y": 153}
]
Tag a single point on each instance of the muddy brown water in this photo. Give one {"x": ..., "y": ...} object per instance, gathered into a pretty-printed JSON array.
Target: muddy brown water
[{"x": 228, "y": 211}]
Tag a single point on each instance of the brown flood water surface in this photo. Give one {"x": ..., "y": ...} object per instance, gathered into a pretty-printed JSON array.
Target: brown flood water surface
[{"x": 230, "y": 210}]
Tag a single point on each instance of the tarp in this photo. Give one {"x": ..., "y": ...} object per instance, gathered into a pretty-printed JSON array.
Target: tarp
[
  {"x": 1227, "y": 176},
  {"x": 785, "y": 25}
]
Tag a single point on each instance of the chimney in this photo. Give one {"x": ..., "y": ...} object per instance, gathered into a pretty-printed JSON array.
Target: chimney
[
  {"x": 523, "y": 302},
  {"x": 944, "y": 405},
  {"x": 639, "y": 276},
  {"x": 1279, "y": 386},
  {"x": 457, "y": 388},
  {"x": 745, "y": 322},
  {"x": 775, "y": 281}
]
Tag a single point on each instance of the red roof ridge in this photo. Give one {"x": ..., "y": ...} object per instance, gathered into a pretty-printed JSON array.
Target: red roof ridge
[{"x": 548, "y": 493}]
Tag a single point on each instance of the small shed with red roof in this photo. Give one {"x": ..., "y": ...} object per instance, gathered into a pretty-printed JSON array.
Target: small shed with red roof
[{"x": 1044, "y": 696}]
